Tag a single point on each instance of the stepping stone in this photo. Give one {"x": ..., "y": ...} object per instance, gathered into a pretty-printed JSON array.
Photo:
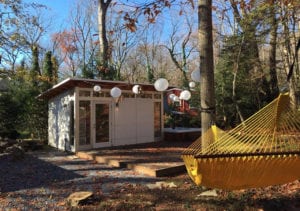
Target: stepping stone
[
  {"x": 160, "y": 185},
  {"x": 210, "y": 193},
  {"x": 77, "y": 197}
]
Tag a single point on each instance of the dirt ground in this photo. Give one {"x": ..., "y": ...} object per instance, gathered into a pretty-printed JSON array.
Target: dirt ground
[{"x": 44, "y": 179}]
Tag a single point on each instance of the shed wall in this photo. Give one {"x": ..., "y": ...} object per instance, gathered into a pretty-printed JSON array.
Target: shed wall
[
  {"x": 59, "y": 116},
  {"x": 134, "y": 122}
]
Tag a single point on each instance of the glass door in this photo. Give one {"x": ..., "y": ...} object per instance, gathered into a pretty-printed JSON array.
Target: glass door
[
  {"x": 84, "y": 123},
  {"x": 102, "y": 125}
]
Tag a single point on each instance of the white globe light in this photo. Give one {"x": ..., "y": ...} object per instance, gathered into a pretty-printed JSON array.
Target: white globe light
[
  {"x": 115, "y": 92},
  {"x": 192, "y": 84},
  {"x": 195, "y": 75},
  {"x": 185, "y": 95},
  {"x": 181, "y": 96},
  {"x": 176, "y": 99},
  {"x": 97, "y": 88},
  {"x": 161, "y": 84},
  {"x": 171, "y": 96},
  {"x": 136, "y": 89}
]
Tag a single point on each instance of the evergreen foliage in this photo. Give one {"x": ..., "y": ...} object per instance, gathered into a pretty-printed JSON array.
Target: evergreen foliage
[
  {"x": 107, "y": 73},
  {"x": 105, "y": 70},
  {"x": 10, "y": 115},
  {"x": 48, "y": 69},
  {"x": 22, "y": 115},
  {"x": 150, "y": 75},
  {"x": 35, "y": 68},
  {"x": 88, "y": 71},
  {"x": 246, "y": 91},
  {"x": 55, "y": 67}
]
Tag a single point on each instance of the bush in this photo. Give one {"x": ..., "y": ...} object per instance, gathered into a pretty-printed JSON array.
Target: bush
[
  {"x": 10, "y": 111},
  {"x": 22, "y": 113}
]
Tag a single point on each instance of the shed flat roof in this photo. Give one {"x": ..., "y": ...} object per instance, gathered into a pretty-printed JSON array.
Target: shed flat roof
[{"x": 70, "y": 83}]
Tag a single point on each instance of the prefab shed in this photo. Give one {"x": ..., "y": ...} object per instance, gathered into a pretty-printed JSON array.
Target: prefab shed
[{"x": 81, "y": 117}]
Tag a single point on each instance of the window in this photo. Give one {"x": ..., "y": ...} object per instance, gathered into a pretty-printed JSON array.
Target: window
[
  {"x": 145, "y": 95},
  {"x": 84, "y": 122},
  {"x": 102, "y": 122},
  {"x": 101, "y": 94},
  {"x": 83, "y": 93},
  {"x": 157, "y": 96},
  {"x": 72, "y": 123},
  {"x": 128, "y": 95},
  {"x": 157, "y": 119}
]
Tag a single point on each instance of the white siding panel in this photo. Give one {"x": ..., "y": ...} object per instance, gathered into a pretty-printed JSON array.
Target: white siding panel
[
  {"x": 125, "y": 122},
  {"x": 59, "y": 121},
  {"x": 145, "y": 121},
  {"x": 52, "y": 123}
]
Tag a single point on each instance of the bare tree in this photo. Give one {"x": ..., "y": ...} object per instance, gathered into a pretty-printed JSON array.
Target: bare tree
[
  {"x": 10, "y": 54},
  {"x": 181, "y": 47},
  {"x": 132, "y": 68},
  {"x": 67, "y": 44},
  {"x": 83, "y": 24},
  {"x": 20, "y": 31},
  {"x": 121, "y": 41}
]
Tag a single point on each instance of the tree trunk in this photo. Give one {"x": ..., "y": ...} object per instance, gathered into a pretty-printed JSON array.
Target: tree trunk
[
  {"x": 234, "y": 82},
  {"x": 105, "y": 52},
  {"x": 272, "y": 59},
  {"x": 206, "y": 67}
]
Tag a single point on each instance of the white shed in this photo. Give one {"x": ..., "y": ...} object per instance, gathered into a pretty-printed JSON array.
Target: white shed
[{"x": 80, "y": 118}]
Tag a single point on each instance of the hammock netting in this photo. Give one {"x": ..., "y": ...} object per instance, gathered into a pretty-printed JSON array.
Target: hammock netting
[{"x": 264, "y": 150}]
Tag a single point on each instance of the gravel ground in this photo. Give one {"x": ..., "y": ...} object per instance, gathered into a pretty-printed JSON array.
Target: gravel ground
[{"x": 44, "y": 179}]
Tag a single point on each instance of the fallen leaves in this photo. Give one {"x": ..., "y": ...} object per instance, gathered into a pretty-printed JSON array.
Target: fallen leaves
[{"x": 49, "y": 184}]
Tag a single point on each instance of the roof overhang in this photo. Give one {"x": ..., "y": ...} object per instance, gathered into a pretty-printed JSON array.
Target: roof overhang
[{"x": 71, "y": 83}]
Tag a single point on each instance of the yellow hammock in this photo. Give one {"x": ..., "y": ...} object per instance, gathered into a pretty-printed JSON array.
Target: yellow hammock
[{"x": 263, "y": 150}]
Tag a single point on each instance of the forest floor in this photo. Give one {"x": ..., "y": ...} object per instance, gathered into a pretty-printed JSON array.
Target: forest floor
[{"x": 44, "y": 179}]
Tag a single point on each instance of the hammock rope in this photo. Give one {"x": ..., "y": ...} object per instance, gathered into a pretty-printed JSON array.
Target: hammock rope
[{"x": 263, "y": 150}]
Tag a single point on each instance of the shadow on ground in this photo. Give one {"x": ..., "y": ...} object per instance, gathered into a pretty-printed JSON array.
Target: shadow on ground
[{"x": 30, "y": 172}]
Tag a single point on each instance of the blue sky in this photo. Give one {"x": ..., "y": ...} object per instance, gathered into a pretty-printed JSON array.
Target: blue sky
[
  {"x": 58, "y": 9},
  {"x": 57, "y": 13}
]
